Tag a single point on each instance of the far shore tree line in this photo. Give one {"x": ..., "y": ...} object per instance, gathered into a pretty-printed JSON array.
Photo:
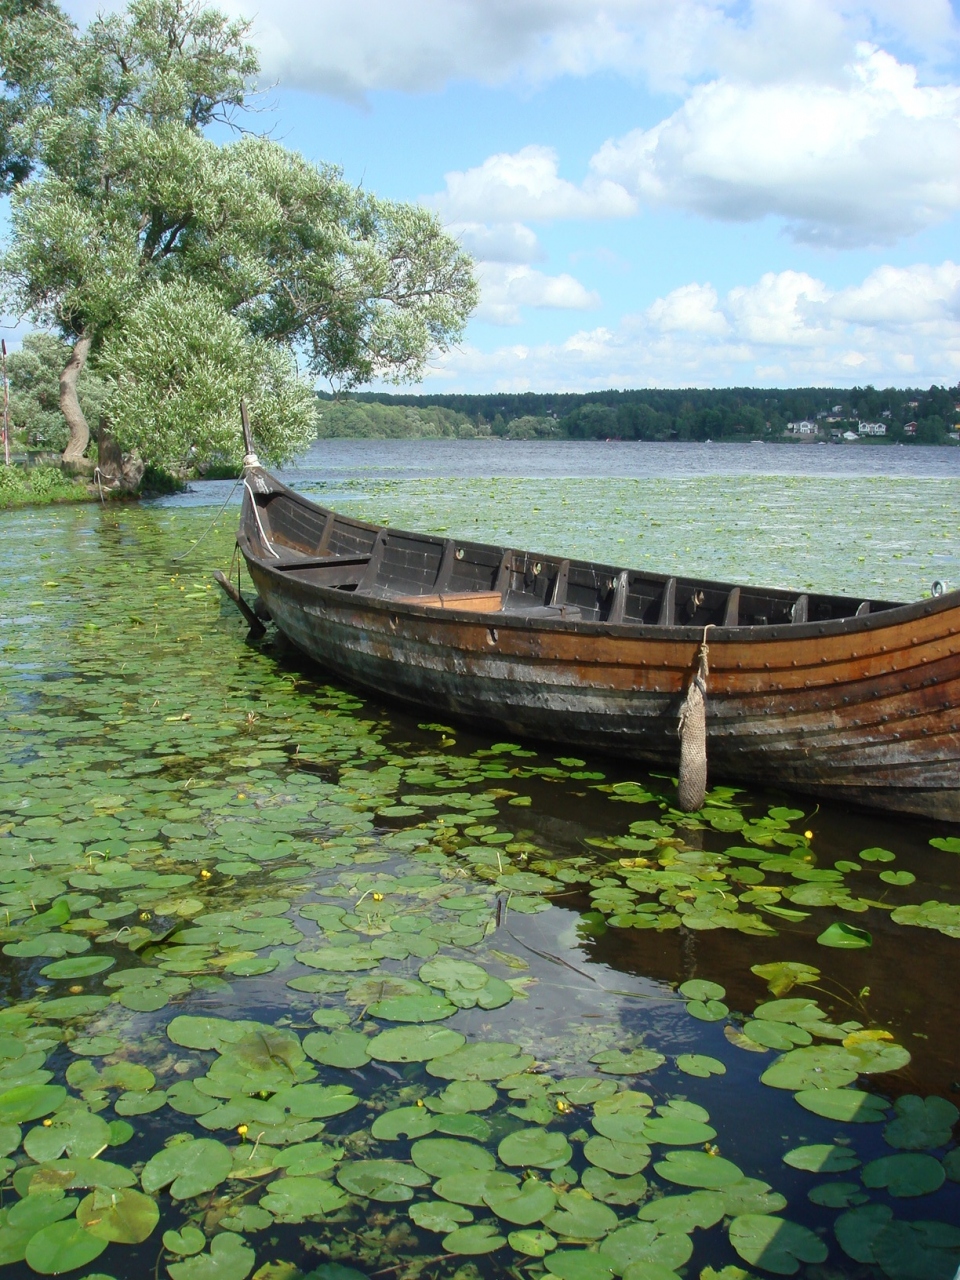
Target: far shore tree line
[
  {"x": 739, "y": 413},
  {"x": 170, "y": 275},
  {"x": 684, "y": 415}
]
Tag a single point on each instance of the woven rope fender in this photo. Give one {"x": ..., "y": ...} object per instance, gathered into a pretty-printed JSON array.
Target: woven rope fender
[{"x": 692, "y": 728}]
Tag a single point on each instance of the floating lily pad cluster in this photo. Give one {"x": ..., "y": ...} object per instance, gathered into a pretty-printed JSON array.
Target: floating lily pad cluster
[{"x": 273, "y": 975}]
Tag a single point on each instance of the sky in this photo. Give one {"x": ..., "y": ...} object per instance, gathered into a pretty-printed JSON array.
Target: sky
[{"x": 658, "y": 193}]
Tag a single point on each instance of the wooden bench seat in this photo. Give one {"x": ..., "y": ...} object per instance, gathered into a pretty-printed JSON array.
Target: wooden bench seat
[{"x": 471, "y": 601}]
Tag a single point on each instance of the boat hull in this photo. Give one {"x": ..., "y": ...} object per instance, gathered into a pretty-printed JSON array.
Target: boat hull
[
  {"x": 870, "y": 719},
  {"x": 858, "y": 709}
]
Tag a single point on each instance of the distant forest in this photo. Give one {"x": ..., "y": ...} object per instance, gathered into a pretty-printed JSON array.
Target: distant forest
[{"x": 737, "y": 413}]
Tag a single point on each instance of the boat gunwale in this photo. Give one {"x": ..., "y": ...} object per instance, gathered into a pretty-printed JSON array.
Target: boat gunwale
[{"x": 895, "y": 615}]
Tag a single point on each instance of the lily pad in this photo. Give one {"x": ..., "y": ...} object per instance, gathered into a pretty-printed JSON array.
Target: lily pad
[
  {"x": 848, "y": 937},
  {"x": 535, "y": 1244},
  {"x": 229, "y": 1259},
  {"x": 439, "y": 1215},
  {"x": 698, "y": 1169},
  {"x": 813, "y": 1067},
  {"x": 413, "y": 1009},
  {"x": 858, "y": 1229},
  {"x": 442, "y": 1156},
  {"x": 535, "y": 1148},
  {"x": 385, "y": 1180},
  {"x": 846, "y": 1105},
  {"x": 297, "y": 1199},
  {"x": 189, "y": 1168},
  {"x": 701, "y": 1065},
  {"x": 30, "y": 1102},
  {"x": 621, "y": 1191},
  {"x": 907, "y": 1174},
  {"x": 474, "y": 1240},
  {"x": 631, "y": 1062},
  {"x": 918, "y": 1250},
  {"x": 414, "y": 1044},
  {"x": 921, "y": 1123},
  {"x": 750, "y": 1195},
  {"x": 822, "y": 1158},
  {"x": 579, "y": 1217},
  {"x": 403, "y": 1122},
  {"x": 617, "y": 1157},
  {"x": 678, "y": 1131},
  {"x": 783, "y": 975},
  {"x": 62, "y": 1246},
  {"x": 78, "y": 967},
  {"x": 530, "y": 1202},
  {"x": 184, "y": 1243},
  {"x": 487, "y": 1060},
  {"x": 79, "y": 1133},
  {"x": 898, "y": 877},
  {"x": 122, "y": 1217},
  {"x": 837, "y": 1195},
  {"x": 775, "y": 1244},
  {"x": 641, "y": 1249},
  {"x": 700, "y": 989},
  {"x": 343, "y": 1048},
  {"x": 461, "y": 1096},
  {"x": 578, "y": 1264},
  {"x": 471, "y": 1186},
  {"x": 684, "y": 1212},
  {"x": 707, "y": 1010}
]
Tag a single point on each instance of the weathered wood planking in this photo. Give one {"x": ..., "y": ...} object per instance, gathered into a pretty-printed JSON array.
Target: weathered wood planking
[{"x": 845, "y": 698}]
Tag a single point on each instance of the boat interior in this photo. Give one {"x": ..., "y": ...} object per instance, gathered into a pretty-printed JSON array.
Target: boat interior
[{"x": 326, "y": 549}]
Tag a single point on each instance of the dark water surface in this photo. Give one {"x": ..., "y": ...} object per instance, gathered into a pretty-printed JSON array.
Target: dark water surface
[{"x": 263, "y": 935}]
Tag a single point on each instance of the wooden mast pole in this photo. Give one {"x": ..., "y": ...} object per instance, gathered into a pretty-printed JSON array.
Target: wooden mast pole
[{"x": 6, "y": 403}]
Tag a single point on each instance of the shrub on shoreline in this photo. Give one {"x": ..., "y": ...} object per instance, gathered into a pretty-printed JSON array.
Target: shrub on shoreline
[{"x": 39, "y": 486}]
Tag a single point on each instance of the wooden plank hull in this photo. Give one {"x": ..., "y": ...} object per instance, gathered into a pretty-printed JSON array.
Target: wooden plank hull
[{"x": 860, "y": 709}]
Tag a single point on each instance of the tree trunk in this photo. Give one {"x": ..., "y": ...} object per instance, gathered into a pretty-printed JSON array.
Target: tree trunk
[{"x": 73, "y": 458}]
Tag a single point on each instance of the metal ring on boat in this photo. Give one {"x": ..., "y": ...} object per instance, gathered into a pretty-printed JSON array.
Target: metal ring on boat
[{"x": 937, "y": 588}]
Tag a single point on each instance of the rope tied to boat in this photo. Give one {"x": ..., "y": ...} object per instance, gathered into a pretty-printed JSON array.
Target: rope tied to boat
[{"x": 692, "y": 728}]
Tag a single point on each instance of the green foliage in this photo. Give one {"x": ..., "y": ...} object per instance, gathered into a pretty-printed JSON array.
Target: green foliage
[
  {"x": 20, "y": 486},
  {"x": 364, "y": 420},
  {"x": 732, "y": 413},
  {"x": 530, "y": 427},
  {"x": 181, "y": 365},
  {"x": 34, "y": 373},
  {"x": 33, "y": 38},
  {"x": 197, "y": 271}
]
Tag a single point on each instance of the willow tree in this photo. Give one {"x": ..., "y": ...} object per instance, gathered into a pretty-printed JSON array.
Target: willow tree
[{"x": 193, "y": 272}]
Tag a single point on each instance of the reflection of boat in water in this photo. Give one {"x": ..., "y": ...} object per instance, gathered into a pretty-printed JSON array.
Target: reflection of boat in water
[{"x": 848, "y": 699}]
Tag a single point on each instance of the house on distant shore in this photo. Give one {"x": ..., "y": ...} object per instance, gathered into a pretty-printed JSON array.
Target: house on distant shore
[
  {"x": 872, "y": 428},
  {"x": 802, "y": 428},
  {"x": 909, "y": 428}
]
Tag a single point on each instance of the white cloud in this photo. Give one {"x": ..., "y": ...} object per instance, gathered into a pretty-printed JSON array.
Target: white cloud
[
  {"x": 527, "y": 184},
  {"x": 898, "y": 326},
  {"x": 869, "y": 159},
  {"x": 893, "y": 297},
  {"x": 351, "y": 47},
  {"x": 502, "y": 242},
  {"x": 781, "y": 309},
  {"x": 508, "y": 288},
  {"x": 690, "y": 309}
]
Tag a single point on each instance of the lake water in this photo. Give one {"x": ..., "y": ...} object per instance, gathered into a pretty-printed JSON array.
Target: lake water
[{"x": 305, "y": 983}]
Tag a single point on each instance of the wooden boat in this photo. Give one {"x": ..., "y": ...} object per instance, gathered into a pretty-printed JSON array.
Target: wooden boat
[{"x": 853, "y": 700}]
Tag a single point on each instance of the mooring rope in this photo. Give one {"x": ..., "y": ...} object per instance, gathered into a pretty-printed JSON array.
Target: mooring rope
[
  {"x": 692, "y": 728},
  {"x": 256, "y": 516},
  {"x": 212, "y": 523}
]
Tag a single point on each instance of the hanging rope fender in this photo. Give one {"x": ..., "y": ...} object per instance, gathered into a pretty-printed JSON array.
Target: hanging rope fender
[{"x": 692, "y": 728}]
